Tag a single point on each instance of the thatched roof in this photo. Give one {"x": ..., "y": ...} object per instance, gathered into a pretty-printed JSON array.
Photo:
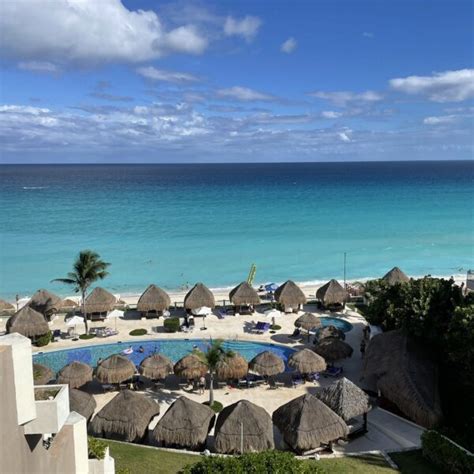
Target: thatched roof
[
  {"x": 115, "y": 369},
  {"x": 100, "y": 301},
  {"x": 331, "y": 293},
  {"x": 394, "y": 276},
  {"x": 267, "y": 363},
  {"x": 82, "y": 403},
  {"x": 244, "y": 294},
  {"x": 332, "y": 349},
  {"x": 45, "y": 302},
  {"x": 199, "y": 295},
  {"x": 185, "y": 424},
  {"x": 68, "y": 303},
  {"x": 308, "y": 321},
  {"x": 125, "y": 418},
  {"x": 27, "y": 322},
  {"x": 307, "y": 422},
  {"x": 153, "y": 299},
  {"x": 345, "y": 398},
  {"x": 232, "y": 367},
  {"x": 290, "y": 294},
  {"x": 190, "y": 367},
  {"x": 156, "y": 366},
  {"x": 42, "y": 374},
  {"x": 6, "y": 306},
  {"x": 405, "y": 374},
  {"x": 331, "y": 331},
  {"x": 246, "y": 417},
  {"x": 306, "y": 362},
  {"x": 76, "y": 374}
]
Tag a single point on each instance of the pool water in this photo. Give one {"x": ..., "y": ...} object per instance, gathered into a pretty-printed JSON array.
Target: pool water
[
  {"x": 174, "y": 349},
  {"x": 338, "y": 323}
]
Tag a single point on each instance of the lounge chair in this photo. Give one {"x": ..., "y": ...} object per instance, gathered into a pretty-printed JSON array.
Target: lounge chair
[
  {"x": 262, "y": 327},
  {"x": 297, "y": 380},
  {"x": 333, "y": 371},
  {"x": 56, "y": 335}
]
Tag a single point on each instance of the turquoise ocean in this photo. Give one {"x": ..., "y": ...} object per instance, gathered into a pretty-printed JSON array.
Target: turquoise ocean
[{"x": 177, "y": 224}]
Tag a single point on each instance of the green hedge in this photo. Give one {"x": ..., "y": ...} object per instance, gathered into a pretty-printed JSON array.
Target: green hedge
[
  {"x": 138, "y": 332},
  {"x": 86, "y": 336},
  {"x": 267, "y": 462},
  {"x": 96, "y": 448},
  {"x": 216, "y": 406},
  {"x": 43, "y": 340},
  {"x": 445, "y": 454},
  {"x": 171, "y": 324}
]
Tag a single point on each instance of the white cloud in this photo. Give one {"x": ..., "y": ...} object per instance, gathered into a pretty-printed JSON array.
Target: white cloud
[
  {"x": 38, "y": 66},
  {"x": 448, "y": 86},
  {"x": 244, "y": 94},
  {"x": 90, "y": 31},
  {"x": 345, "y": 136},
  {"x": 246, "y": 27},
  {"x": 155, "y": 74},
  {"x": 440, "y": 119},
  {"x": 343, "y": 98},
  {"x": 330, "y": 114},
  {"x": 289, "y": 45}
]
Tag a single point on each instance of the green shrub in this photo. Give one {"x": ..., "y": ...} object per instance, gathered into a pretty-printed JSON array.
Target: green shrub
[
  {"x": 216, "y": 406},
  {"x": 43, "y": 340},
  {"x": 171, "y": 324},
  {"x": 96, "y": 447},
  {"x": 275, "y": 327},
  {"x": 445, "y": 454},
  {"x": 87, "y": 336},
  {"x": 138, "y": 332},
  {"x": 267, "y": 462}
]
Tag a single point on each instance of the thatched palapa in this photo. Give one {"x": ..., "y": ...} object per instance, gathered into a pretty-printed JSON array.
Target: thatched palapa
[
  {"x": 76, "y": 374},
  {"x": 308, "y": 321},
  {"x": 307, "y": 422},
  {"x": 290, "y": 296},
  {"x": 68, "y": 304},
  {"x": 332, "y": 294},
  {"x": 244, "y": 294},
  {"x": 331, "y": 331},
  {"x": 156, "y": 367},
  {"x": 306, "y": 362},
  {"x": 115, "y": 369},
  {"x": 100, "y": 301},
  {"x": 198, "y": 296},
  {"x": 190, "y": 367},
  {"x": 185, "y": 424},
  {"x": 267, "y": 363},
  {"x": 82, "y": 403},
  {"x": 345, "y": 398},
  {"x": 153, "y": 299},
  {"x": 232, "y": 367},
  {"x": 395, "y": 276},
  {"x": 332, "y": 349},
  {"x": 42, "y": 374},
  {"x": 405, "y": 373},
  {"x": 125, "y": 418},
  {"x": 46, "y": 303},
  {"x": 6, "y": 306},
  {"x": 27, "y": 322},
  {"x": 243, "y": 427}
]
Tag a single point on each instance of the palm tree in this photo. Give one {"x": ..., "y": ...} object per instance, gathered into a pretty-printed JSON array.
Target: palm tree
[
  {"x": 214, "y": 354},
  {"x": 87, "y": 269}
]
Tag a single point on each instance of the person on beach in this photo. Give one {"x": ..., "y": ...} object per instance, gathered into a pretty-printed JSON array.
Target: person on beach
[
  {"x": 141, "y": 349},
  {"x": 202, "y": 385}
]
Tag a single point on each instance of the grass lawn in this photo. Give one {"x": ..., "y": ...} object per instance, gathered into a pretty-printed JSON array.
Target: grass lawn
[
  {"x": 413, "y": 462},
  {"x": 370, "y": 464}
]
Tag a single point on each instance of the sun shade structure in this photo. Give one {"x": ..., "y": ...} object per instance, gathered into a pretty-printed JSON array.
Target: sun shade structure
[
  {"x": 190, "y": 367},
  {"x": 243, "y": 427},
  {"x": 232, "y": 367},
  {"x": 306, "y": 423},
  {"x": 332, "y": 294},
  {"x": 115, "y": 369},
  {"x": 156, "y": 367},
  {"x": 244, "y": 294},
  {"x": 153, "y": 300},
  {"x": 308, "y": 321},
  {"x": 345, "y": 399},
  {"x": 42, "y": 374},
  {"x": 76, "y": 374},
  {"x": 46, "y": 303},
  {"x": 290, "y": 296},
  {"x": 27, "y": 322},
  {"x": 82, "y": 403},
  {"x": 185, "y": 424},
  {"x": 404, "y": 372},
  {"x": 267, "y": 363},
  {"x": 198, "y": 296},
  {"x": 395, "y": 276},
  {"x": 68, "y": 303},
  {"x": 332, "y": 349},
  {"x": 6, "y": 306},
  {"x": 100, "y": 301},
  {"x": 331, "y": 331},
  {"x": 306, "y": 362},
  {"x": 125, "y": 418}
]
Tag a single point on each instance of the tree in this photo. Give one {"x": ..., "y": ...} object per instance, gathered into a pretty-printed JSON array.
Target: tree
[{"x": 87, "y": 269}]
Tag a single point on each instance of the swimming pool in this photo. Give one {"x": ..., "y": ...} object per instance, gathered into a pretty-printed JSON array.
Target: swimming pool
[
  {"x": 338, "y": 323},
  {"x": 172, "y": 348}
]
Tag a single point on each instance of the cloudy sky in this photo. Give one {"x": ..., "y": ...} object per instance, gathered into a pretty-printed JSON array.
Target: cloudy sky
[{"x": 245, "y": 81}]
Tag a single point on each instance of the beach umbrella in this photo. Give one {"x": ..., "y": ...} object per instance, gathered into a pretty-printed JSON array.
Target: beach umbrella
[
  {"x": 243, "y": 427},
  {"x": 68, "y": 303},
  {"x": 42, "y": 374},
  {"x": 22, "y": 302},
  {"x": 125, "y": 418},
  {"x": 333, "y": 349},
  {"x": 6, "y": 306},
  {"x": 27, "y": 322},
  {"x": 190, "y": 367},
  {"x": 330, "y": 331},
  {"x": 232, "y": 367},
  {"x": 74, "y": 320},
  {"x": 75, "y": 374},
  {"x": 271, "y": 287},
  {"x": 267, "y": 363},
  {"x": 202, "y": 311},
  {"x": 185, "y": 424},
  {"x": 306, "y": 362},
  {"x": 198, "y": 296},
  {"x": 45, "y": 302},
  {"x": 115, "y": 369},
  {"x": 308, "y": 321},
  {"x": 272, "y": 313},
  {"x": 155, "y": 367},
  {"x": 115, "y": 314},
  {"x": 332, "y": 293},
  {"x": 395, "y": 276},
  {"x": 82, "y": 403}
]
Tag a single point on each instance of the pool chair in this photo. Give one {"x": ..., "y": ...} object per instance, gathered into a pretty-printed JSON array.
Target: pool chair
[
  {"x": 296, "y": 380},
  {"x": 56, "y": 335},
  {"x": 314, "y": 377},
  {"x": 221, "y": 314},
  {"x": 333, "y": 371},
  {"x": 261, "y": 327}
]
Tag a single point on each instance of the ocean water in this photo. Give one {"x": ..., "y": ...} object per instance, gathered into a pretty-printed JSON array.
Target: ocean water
[{"x": 178, "y": 224}]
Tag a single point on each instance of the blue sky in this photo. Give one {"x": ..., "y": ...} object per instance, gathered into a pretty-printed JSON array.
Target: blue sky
[{"x": 148, "y": 81}]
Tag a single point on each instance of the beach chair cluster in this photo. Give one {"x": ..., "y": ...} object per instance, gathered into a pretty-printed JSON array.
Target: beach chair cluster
[
  {"x": 298, "y": 379},
  {"x": 103, "y": 332},
  {"x": 261, "y": 327},
  {"x": 251, "y": 380}
]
